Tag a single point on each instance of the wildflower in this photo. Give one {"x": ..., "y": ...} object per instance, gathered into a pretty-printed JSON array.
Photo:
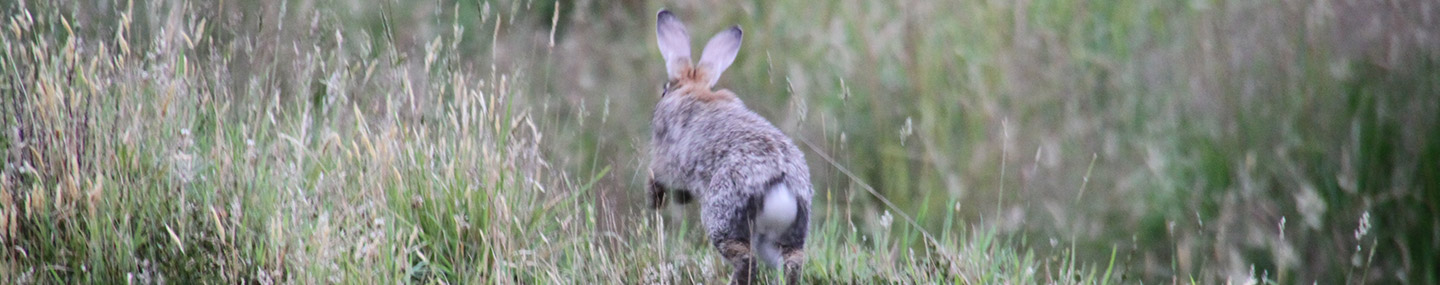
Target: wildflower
[{"x": 886, "y": 219}]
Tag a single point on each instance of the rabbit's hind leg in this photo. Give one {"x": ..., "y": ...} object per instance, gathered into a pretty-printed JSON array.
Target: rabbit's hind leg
[
  {"x": 727, "y": 220},
  {"x": 737, "y": 252},
  {"x": 792, "y": 246},
  {"x": 794, "y": 261}
]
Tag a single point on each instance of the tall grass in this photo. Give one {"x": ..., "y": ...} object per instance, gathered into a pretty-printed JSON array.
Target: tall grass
[
  {"x": 228, "y": 143},
  {"x": 1174, "y": 136},
  {"x": 505, "y": 141}
]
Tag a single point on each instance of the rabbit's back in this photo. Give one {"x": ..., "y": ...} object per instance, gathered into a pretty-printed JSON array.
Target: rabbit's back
[{"x": 701, "y": 140}]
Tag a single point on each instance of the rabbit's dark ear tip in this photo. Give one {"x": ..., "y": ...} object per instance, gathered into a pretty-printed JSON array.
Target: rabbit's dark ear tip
[
  {"x": 663, "y": 14},
  {"x": 737, "y": 29}
]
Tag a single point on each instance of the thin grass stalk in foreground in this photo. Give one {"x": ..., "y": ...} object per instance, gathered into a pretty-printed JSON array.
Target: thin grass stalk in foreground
[{"x": 928, "y": 237}]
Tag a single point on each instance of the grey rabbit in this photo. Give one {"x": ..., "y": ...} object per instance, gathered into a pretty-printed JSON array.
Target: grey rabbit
[{"x": 751, "y": 181}]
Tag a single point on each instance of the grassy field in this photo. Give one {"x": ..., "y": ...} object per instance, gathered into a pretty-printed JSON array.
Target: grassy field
[{"x": 1014, "y": 142}]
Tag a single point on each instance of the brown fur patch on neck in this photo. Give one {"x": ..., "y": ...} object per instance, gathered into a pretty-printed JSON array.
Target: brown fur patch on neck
[{"x": 694, "y": 82}]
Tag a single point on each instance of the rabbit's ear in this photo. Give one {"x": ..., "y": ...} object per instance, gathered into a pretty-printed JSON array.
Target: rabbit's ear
[
  {"x": 674, "y": 43},
  {"x": 719, "y": 53}
]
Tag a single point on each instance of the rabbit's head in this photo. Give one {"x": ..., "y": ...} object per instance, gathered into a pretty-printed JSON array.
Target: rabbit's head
[
  {"x": 690, "y": 117},
  {"x": 685, "y": 78}
]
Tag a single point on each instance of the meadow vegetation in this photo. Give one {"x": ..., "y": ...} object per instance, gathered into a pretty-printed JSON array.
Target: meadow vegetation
[{"x": 1040, "y": 141}]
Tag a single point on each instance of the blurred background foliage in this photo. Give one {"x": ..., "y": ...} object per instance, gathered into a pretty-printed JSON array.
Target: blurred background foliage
[
  {"x": 1202, "y": 139},
  {"x": 1197, "y": 141}
]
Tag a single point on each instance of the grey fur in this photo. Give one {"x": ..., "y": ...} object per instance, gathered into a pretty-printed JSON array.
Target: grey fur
[{"x": 706, "y": 144}]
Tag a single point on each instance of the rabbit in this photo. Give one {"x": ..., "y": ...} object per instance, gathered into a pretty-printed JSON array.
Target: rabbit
[{"x": 752, "y": 182}]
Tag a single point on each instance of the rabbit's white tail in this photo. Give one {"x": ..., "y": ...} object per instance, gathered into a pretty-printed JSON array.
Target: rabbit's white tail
[{"x": 777, "y": 214}]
